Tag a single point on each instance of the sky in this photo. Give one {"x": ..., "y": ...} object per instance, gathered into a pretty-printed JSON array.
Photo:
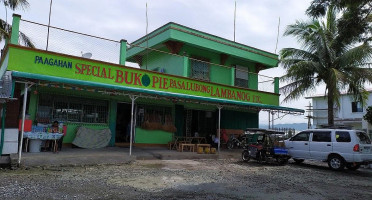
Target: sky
[{"x": 256, "y": 24}]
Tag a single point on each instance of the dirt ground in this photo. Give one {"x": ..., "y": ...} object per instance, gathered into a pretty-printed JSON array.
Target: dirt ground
[{"x": 187, "y": 179}]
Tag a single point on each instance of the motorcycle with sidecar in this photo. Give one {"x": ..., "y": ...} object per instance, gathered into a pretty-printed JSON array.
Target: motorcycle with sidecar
[{"x": 265, "y": 145}]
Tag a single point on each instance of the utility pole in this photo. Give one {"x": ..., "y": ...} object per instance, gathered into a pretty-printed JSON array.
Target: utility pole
[{"x": 309, "y": 115}]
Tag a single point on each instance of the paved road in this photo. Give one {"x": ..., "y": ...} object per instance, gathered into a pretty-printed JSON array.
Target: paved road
[{"x": 187, "y": 179}]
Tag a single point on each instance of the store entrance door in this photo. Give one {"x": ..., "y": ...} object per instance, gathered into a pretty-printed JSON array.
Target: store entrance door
[
  {"x": 201, "y": 122},
  {"x": 123, "y": 123}
]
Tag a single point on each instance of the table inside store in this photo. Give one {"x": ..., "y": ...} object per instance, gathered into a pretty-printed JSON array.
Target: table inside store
[
  {"x": 187, "y": 140},
  {"x": 54, "y": 137}
]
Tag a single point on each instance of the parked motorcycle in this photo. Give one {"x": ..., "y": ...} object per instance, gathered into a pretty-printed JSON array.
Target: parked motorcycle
[
  {"x": 265, "y": 147},
  {"x": 234, "y": 142},
  {"x": 269, "y": 154}
]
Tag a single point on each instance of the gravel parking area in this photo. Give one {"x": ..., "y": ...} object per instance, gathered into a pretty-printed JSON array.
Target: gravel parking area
[{"x": 186, "y": 179}]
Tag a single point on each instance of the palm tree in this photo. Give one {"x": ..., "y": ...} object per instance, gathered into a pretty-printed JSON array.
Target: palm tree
[
  {"x": 325, "y": 59},
  {"x": 5, "y": 27}
]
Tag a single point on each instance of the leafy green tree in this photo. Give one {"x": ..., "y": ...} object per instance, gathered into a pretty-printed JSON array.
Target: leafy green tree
[
  {"x": 324, "y": 59},
  {"x": 5, "y": 27},
  {"x": 368, "y": 115},
  {"x": 356, "y": 21}
]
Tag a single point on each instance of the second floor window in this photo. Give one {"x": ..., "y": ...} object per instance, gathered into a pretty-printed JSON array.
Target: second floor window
[
  {"x": 356, "y": 107},
  {"x": 241, "y": 76},
  {"x": 199, "y": 70}
]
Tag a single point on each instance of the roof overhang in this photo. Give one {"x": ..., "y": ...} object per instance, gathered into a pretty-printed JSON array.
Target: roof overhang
[{"x": 179, "y": 33}]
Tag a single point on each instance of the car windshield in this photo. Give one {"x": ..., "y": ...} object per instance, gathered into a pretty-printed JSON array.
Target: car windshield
[{"x": 363, "y": 138}]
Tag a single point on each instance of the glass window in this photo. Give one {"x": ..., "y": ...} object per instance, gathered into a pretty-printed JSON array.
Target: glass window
[
  {"x": 71, "y": 109},
  {"x": 200, "y": 70},
  {"x": 363, "y": 138},
  {"x": 343, "y": 136},
  {"x": 356, "y": 107},
  {"x": 303, "y": 136},
  {"x": 324, "y": 136},
  {"x": 241, "y": 76}
]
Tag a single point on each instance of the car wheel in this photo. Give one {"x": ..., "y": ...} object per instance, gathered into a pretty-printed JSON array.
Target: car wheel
[
  {"x": 230, "y": 145},
  {"x": 298, "y": 161},
  {"x": 350, "y": 166},
  {"x": 282, "y": 161},
  {"x": 245, "y": 156},
  {"x": 336, "y": 163}
]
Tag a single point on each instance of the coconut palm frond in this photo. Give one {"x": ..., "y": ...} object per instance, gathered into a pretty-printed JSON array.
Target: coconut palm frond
[
  {"x": 16, "y": 4},
  {"x": 4, "y": 30},
  {"x": 325, "y": 58},
  {"x": 356, "y": 56},
  {"x": 26, "y": 41}
]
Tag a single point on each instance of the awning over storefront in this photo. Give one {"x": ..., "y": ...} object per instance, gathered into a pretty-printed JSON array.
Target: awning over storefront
[{"x": 145, "y": 92}]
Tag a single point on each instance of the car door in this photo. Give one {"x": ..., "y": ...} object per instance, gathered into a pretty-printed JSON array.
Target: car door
[
  {"x": 343, "y": 145},
  {"x": 320, "y": 145},
  {"x": 298, "y": 145}
]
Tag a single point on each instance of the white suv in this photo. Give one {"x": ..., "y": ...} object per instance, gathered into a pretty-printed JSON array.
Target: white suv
[{"x": 338, "y": 147}]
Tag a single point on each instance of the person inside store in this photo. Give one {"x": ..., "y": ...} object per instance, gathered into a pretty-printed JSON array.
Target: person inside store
[{"x": 53, "y": 129}]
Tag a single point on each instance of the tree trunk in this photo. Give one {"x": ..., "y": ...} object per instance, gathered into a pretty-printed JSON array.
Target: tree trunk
[{"x": 330, "y": 97}]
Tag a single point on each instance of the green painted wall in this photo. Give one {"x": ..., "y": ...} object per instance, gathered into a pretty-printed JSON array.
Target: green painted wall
[
  {"x": 171, "y": 64},
  {"x": 217, "y": 74},
  {"x": 238, "y": 120},
  {"x": 32, "y": 106},
  {"x": 152, "y": 136},
  {"x": 181, "y": 66},
  {"x": 72, "y": 128}
]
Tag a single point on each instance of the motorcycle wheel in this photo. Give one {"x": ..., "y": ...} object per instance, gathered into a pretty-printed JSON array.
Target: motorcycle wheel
[
  {"x": 230, "y": 145},
  {"x": 245, "y": 156}
]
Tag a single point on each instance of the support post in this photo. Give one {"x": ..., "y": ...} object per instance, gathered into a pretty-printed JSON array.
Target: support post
[
  {"x": 23, "y": 123},
  {"x": 15, "y": 29},
  {"x": 232, "y": 82},
  {"x": 268, "y": 112},
  {"x": 123, "y": 52},
  {"x": 219, "y": 127},
  {"x": 2, "y": 128},
  {"x": 185, "y": 66},
  {"x": 133, "y": 98},
  {"x": 272, "y": 120},
  {"x": 276, "y": 85}
]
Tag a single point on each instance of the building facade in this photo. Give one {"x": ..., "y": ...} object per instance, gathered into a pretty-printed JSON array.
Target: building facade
[
  {"x": 349, "y": 113},
  {"x": 189, "y": 83}
]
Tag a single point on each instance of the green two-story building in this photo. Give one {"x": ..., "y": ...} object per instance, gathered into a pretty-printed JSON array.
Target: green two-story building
[{"x": 189, "y": 83}]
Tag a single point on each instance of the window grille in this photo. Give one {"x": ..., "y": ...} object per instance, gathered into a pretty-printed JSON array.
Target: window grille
[
  {"x": 199, "y": 70},
  {"x": 71, "y": 109},
  {"x": 160, "y": 115},
  {"x": 241, "y": 76}
]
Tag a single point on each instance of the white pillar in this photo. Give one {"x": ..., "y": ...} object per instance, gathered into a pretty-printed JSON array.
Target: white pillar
[
  {"x": 268, "y": 126},
  {"x": 23, "y": 123},
  {"x": 272, "y": 120},
  {"x": 133, "y": 98},
  {"x": 219, "y": 127}
]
